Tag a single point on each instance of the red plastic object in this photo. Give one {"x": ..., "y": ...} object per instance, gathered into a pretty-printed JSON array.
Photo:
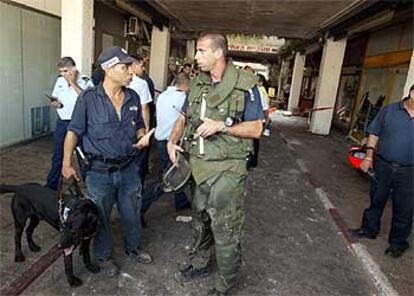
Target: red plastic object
[{"x": 356, "y": 155}]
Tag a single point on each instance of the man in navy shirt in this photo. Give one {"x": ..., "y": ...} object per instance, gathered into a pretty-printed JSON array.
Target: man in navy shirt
[
  {"x": 391, "y": 139},
  {"x": 108, "y": 118}
]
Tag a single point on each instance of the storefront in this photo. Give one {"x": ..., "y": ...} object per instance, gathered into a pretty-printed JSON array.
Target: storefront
[
  {"x": 384, "y": 73},
  {"x": 349, "y": 83},
  {"x": 310, "y": 80}
]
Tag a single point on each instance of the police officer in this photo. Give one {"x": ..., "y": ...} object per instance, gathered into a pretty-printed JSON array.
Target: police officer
[
  {"x": 108, "y": 118},
  {"x": 227, "y": 100},
  {"x": 67, "y": 87}
]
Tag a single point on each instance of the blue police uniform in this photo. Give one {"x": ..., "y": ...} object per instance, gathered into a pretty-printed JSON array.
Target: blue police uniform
[
  {"x": 394, "y": 169},
  {"x": 108, "y": 140},
  {"x": 67, "y": 96}
]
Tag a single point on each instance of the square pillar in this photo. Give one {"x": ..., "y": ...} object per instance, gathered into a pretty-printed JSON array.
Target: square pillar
[
  {"x": 190, "y": 51},
  {"x": 327, "y": 86},
  {"x": 410, "y": 77},
  {"x": 284, "y": 68},
  {"x": 77, "y": 32},
  {"x": 160, "y": 50},
  {"x": 297, "y": 77}
]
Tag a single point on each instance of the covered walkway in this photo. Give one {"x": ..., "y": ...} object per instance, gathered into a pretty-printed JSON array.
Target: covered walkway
[{"x": 292, "y": 244}]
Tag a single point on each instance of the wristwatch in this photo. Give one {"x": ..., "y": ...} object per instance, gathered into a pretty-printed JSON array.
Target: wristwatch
[{"x": 229, "y": 121}]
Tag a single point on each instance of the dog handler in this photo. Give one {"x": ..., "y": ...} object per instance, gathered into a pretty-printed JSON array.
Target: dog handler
[{"x": 108, "y": 118}]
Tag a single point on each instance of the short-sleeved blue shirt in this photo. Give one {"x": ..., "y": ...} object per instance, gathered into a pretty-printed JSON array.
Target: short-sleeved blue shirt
[
  {"x": 103, "y": 133},
  {"x": 253, "y": 109},
  {"x": 395, "y": 130}
]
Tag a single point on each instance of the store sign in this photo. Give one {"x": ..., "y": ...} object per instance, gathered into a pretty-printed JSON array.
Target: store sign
[{"x": 254, "y": 48}]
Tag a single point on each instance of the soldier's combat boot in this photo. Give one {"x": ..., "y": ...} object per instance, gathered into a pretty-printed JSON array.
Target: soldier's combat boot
[{"x": 189, "y": 273}]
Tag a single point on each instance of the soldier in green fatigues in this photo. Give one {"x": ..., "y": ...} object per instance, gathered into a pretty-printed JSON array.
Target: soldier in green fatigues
[{"x": 223, "y": 115}]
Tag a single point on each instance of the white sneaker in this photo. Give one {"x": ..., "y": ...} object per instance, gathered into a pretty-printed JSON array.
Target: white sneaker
[{"x": 266, "y": 133}]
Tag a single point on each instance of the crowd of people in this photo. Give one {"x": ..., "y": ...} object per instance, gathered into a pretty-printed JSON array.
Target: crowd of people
[
  {"x": 111, "y": 119},
  {"x": 213, "y": 117}
]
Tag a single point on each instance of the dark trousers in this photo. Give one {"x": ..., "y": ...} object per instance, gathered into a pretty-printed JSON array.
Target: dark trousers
[
  {"x": 397, "y": 182},
  {"x": 154, "y": 190},
  {"x": 254, "y": 156},
  {"x": 143, "y": 164},
  {"x": 57, "y": 158}
]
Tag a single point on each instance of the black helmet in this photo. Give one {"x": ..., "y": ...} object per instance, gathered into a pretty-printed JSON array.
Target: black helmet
[{"x": 177, "y": 174}]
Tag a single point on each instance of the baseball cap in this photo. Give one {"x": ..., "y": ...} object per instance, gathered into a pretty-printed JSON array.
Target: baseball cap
[{"x": 112, "y": 56}]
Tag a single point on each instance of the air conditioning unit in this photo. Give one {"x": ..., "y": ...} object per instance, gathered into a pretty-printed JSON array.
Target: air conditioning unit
[{"x": 132, "y": 27}]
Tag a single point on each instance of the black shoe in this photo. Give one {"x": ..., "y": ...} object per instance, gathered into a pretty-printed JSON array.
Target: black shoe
[
  {"x": 108, "y": 267},
  {"x": 395, "y": 252},
  {"x": 189, "y": 273},
  {"x": 140, "y": 256},
  {"x": 215, "y": 292},
  {"x": 361, "y": 233}
]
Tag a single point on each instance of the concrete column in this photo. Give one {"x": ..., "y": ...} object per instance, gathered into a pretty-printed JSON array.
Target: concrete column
[
  {"x": 410, "y": 77},
  {"x": 283, "y": 71},
  {"x": 327, "y": 86},
  {"x": 297, "y": 77},
  {"x": 160, "y": 50},
  {"x": 190, "y": 51},
  {"x": 77, "y": 32}
]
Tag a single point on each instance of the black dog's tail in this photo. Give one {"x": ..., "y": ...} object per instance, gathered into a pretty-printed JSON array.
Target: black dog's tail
[{"x": 7, "y": 188}]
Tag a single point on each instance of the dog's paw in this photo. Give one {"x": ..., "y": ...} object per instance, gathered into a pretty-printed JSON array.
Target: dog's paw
[
  {"x": 19, "y": 258},
  {"x": 75, "y": 282},
  {"x": 93, "y": 268},
  {"x": 34, "y": 248}
]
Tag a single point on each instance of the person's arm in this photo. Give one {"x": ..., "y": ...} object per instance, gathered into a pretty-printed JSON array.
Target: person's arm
[
  {"x": 55, "y": 93},
  {"x": 146, "y": 116},
  {"x": 368, "y": 162},
  {"x": 374, "y": 130},
  {"x": 71, "y": 79},
  {"x": 175, "y": 135},
  {"x": 68, "y": 170},
  {"x": 143, "y": 138},
  {"x": 252, "y": 125},
  {"x": 77, "y": 127},
  {"x": 245, "y": 129}
]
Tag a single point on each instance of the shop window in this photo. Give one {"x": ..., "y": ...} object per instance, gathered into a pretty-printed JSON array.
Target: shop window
[
  {"x": 383, "y": 41},
  {"x": 347, "y": 92},
  {"x": 375, "y": 83},
  {"x": 398, "y": 85},
  {"x": 407, "y": 37}
]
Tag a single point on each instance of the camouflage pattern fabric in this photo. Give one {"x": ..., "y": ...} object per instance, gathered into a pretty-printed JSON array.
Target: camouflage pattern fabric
[{"x": 217, "y": 226}]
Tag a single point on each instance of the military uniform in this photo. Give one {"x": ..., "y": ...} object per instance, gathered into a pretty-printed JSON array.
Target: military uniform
[{"x": 218, "y": 166}]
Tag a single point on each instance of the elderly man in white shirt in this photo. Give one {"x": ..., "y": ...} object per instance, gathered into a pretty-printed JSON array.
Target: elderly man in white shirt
[
  {"x": 168, "y": 107},
  {"x": 67, "y": 88}
]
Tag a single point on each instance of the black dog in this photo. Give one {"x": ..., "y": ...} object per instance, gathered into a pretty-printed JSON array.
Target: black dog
[{"x": 36, "y": 202}]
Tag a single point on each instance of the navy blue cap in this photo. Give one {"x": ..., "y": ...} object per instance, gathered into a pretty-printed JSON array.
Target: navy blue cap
[{"x": 114, "y": 55}]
